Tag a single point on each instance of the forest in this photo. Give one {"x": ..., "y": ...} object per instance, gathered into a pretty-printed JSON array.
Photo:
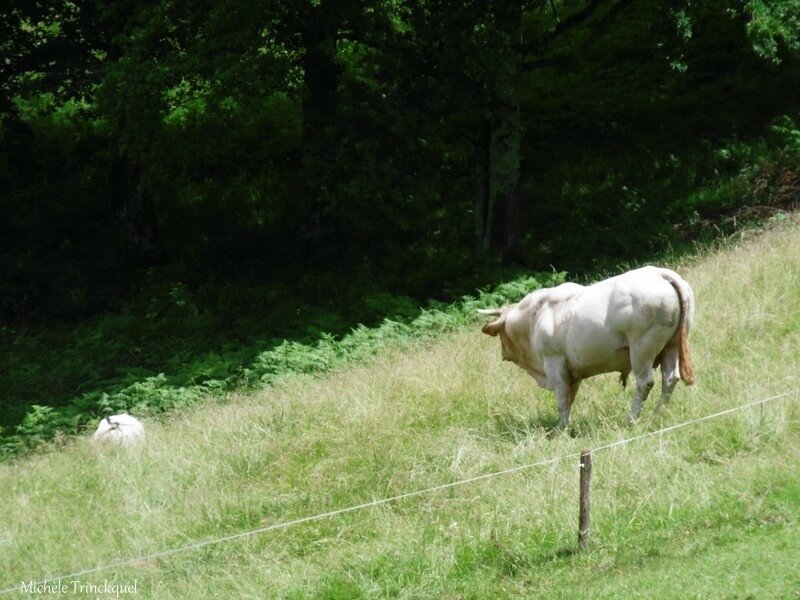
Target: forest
[{"x": 187, "y": 185}]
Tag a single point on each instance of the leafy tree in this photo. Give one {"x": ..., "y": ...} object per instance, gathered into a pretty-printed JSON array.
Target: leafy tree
[{"x": 402, "y": 141}]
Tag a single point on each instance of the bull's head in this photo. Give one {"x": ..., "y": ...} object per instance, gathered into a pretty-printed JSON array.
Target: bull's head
[
  {"x": 494, "y": 327},
  {"x": 497, "y": 327}
]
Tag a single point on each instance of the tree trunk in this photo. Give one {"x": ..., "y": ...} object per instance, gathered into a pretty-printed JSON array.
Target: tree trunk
[
  {"x": 320, "y": 104},
  {"x": 506, "y": 229},
  {"x": 321, "y": 78},
  {"x": 498, "y": 226},
  {"x": 144, "y": 241},
  {"x": 133, "y": 201},
  {"x": 321, "y": 74},
  {"x": 483, "y": 188}
]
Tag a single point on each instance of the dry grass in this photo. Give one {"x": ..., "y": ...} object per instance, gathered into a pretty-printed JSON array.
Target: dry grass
[{"x": 437, "y": 412}]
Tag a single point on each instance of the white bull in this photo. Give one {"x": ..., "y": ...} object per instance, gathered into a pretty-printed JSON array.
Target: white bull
[{"x": 629, "y": 323}]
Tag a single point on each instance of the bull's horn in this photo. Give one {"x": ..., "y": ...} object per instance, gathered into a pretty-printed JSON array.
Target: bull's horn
[{"x": 490, "y": 312}]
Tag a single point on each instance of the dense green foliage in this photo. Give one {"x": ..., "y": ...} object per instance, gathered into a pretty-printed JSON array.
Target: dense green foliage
[{"x": 186, "y": 184}]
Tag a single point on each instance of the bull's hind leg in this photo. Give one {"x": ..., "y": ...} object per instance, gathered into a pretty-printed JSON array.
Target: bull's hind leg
[
  {"x": 670, "y": 374},
  {"x": 642, "y": 368},
  {"x": 573, "y": 391},
  {"x": 644, "y": 383}
]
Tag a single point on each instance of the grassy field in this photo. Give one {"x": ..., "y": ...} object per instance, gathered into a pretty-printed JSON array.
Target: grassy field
[{"x": 707, "y": 511}]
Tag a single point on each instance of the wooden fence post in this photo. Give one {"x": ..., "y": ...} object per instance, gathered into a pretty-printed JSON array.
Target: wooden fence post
[{"x": 584, "y": 523}]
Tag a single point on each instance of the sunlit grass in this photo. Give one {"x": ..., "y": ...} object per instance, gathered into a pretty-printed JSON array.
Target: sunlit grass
[{"x": 706, "y": 511}]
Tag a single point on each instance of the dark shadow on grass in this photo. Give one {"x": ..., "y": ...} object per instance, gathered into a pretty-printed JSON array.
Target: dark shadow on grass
[
  {"x": 514, "y": 428},
  {"x": 544, "y": 423},
  {"x": 566, "y": 552}
]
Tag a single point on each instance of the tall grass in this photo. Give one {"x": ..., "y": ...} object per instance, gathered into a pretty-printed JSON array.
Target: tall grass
[{"x": 708, "y": 511}]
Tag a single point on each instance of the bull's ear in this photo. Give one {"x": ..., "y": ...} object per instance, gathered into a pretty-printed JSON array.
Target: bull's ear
[{"x": 494, "y": 327}]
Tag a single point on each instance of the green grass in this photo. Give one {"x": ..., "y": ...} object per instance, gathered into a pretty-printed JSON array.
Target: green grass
[{"x": 708, "y": 511}]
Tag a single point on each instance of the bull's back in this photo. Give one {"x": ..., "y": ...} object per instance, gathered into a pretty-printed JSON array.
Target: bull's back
[
  {"x": 607, "y": 318},
  {"x": 646, "y": 299}
]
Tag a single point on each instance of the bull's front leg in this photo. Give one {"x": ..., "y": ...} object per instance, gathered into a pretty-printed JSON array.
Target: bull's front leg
[{"x": 559, "y": 380}]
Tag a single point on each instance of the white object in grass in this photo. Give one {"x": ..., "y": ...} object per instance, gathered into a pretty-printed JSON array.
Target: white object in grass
[{"x": 121, "y": 429}]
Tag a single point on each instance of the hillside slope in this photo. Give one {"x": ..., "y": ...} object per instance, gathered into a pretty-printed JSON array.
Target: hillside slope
[{"x": 709, "y": 511}]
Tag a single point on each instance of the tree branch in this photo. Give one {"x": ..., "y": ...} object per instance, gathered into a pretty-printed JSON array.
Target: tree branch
[
  {"x": 557, "y": 60},
  {"x": 563, "y": 26},
  {"x": 604, "y": 23},
  {"x": 600, "y": 27}
]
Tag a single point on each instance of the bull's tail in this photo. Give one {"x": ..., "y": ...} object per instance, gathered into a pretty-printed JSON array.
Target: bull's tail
[
  {"x": 685, "y": 356},
  {"x": 686, "y": 299}
]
